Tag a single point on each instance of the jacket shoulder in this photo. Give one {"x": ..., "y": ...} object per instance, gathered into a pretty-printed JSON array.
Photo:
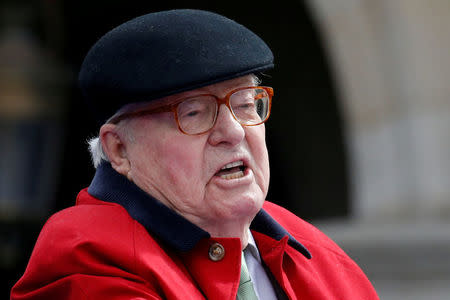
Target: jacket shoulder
[
  {"x": 329, "y": 263},
  {"x": 81, "y": 239},
  {"x": 87, "y": 223},
  {"x": 302, "y": 231},
  {"x": 82, "y": 251}
]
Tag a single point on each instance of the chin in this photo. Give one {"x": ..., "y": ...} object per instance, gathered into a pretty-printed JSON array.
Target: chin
[
  {"x": 236, "y": 205},
  {"x": 247, "y": 207}
]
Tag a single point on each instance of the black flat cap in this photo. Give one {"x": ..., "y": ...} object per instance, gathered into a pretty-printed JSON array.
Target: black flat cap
[{"x": 168, "y": 52}]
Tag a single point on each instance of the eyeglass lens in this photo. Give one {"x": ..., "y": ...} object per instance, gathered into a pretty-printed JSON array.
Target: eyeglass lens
[{"x": 197, "y": 115}]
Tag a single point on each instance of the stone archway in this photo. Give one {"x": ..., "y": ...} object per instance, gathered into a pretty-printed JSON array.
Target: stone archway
[
  {"x": 391, "y": 64},
  {"x": 391, "y": 71}
]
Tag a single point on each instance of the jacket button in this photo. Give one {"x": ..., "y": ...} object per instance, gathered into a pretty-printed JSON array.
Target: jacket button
[{"x": 216, "y": 252}]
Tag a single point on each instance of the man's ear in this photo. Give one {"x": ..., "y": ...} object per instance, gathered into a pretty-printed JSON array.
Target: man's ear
[{"x": 115, "y": 148}]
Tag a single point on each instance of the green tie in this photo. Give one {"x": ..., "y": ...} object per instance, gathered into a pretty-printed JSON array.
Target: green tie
[{"x": 245, "y": 290}]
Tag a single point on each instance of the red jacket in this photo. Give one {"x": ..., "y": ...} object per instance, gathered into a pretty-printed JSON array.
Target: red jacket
[{"x": 104, "y": 250}]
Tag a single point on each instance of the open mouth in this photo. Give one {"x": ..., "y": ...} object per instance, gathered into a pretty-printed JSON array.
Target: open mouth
[{"x": 232, "y": 170}]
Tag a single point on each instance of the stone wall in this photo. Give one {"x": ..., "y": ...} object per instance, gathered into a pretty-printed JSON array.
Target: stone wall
[
  {"x": 391, "y": 62},
  {"x": 392, "y": 65}
]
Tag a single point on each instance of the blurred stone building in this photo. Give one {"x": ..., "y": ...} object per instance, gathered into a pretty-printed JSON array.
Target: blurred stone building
[{"x": 391, "y": 62}]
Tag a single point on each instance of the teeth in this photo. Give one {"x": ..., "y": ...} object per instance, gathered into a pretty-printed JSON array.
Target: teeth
[
  {"x": 232, "y": 167},
  {"x": 233, "y": 164},
  {"x": 233, "y": 176}
]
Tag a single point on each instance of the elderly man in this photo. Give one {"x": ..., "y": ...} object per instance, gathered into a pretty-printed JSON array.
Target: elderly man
[{"x": 176, "y": 208}]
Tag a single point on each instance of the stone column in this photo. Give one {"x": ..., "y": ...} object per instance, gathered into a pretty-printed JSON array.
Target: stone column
[{"x": 391, "y": 62}]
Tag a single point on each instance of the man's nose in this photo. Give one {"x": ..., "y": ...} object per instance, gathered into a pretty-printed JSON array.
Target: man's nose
[{"x": 227, "y": 129}]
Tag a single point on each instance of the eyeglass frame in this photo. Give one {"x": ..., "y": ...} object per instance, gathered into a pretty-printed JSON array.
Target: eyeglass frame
[{"x": 172, "y": 107}]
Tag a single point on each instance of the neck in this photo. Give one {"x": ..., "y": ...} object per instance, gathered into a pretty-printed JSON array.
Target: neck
[
  {"x": 216, "y": 225},
  {"x": 234, "y": 229}
]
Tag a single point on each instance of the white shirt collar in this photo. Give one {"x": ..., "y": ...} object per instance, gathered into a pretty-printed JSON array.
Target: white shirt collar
[
  {"x": 263, "y": 287},
  {"x": 252, "y": 248}
]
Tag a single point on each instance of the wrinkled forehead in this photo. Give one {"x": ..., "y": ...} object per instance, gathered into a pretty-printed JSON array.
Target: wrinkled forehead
[{"x": 219, "y": 89}]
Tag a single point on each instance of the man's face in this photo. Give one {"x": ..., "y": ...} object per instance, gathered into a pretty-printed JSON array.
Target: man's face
[{"x": 187, "y": 172}]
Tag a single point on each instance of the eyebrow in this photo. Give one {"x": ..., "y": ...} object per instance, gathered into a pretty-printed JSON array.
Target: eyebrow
[{"x": 166, "y": 101}]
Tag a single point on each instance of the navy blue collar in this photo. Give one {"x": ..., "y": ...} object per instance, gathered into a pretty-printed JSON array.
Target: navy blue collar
[{"x": 164, "y": 223}]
